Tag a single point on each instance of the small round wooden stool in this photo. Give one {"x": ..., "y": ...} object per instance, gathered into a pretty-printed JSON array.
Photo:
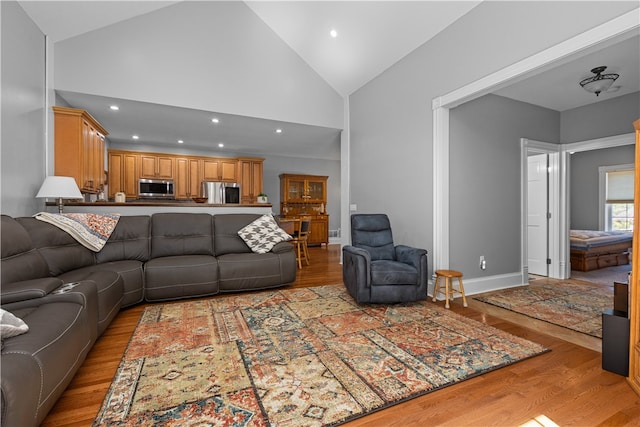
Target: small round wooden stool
[{"x": 449, "y": 290}]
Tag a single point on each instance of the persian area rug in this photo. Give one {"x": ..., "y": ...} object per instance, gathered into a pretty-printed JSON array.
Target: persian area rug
[
  {"x": 572, "y": 305},
  {"x": 294, "y": 357}
]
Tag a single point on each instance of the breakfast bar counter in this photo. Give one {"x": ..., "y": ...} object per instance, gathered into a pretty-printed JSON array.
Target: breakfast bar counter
[{"x": 143, "y": 207}]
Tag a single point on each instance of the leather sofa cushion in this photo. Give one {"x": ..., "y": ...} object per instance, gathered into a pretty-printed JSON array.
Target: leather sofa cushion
[
  {"x": 61, "y": 251},
  {"x": 183, "y": 276},
  {"x": 43, "y": 360},
  {"x": 110, "y": 288},
  {"x": 175, "y": 234},
  {"x": 132, "y": 273},
  {"x": 130, "y": 240},
  {"x": 239, "y": 272},
  {"x": 226, "y": 227},
  {"x": 20, "y": 260}
]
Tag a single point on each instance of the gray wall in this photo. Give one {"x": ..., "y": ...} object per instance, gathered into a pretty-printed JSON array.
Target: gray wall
[
  {"x": 485, "y": 179},
  {"x": 606, "y": 118},
  {"x": 391, "y": 117},
  {"x": 584, "y": 182},
  {"x": 23, "y": 111}
]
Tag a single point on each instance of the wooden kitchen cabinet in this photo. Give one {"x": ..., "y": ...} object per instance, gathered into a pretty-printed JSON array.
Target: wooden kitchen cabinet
[
  {"x": 123, "y": 174},
  {"x": 306, "y": 195},
  {"x": 79, "y": 148},
  {"x": 251, "y": 170},
  {"x": 220, "y": 169},
  {"x": 187, "y": 172},
  {"x": 156, "y": 166},
  {"x": 187, "y": 180}
]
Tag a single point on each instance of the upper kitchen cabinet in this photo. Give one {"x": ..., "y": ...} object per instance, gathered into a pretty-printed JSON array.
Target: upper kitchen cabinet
[
  {"x": 220, "y": 169},
  {"x": 79, "y": 148},
  {"x": 157, "y": 166}
]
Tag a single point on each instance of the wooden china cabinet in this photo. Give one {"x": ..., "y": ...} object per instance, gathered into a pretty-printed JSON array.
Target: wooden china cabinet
[
  {"x": 306, "y": 196},
  {"x": 634, "y": 281}
]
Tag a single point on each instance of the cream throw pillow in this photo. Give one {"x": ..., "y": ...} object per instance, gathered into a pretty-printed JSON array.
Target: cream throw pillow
[{"x": 263, "y": 234}]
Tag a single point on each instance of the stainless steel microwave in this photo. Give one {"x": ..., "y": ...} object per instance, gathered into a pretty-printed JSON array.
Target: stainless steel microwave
[{"x": 156, "y": 189}]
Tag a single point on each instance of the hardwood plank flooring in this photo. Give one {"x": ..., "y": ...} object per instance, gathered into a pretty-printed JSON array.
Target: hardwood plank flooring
[{"x": 566, "y": 385}]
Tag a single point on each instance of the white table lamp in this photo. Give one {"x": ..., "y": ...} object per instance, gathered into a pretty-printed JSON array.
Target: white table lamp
[{"x": 59, "y": 187}]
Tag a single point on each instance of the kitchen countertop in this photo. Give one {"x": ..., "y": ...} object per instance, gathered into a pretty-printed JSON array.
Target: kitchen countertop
[
  {"x": 148, "y": 207},
  {"x": 163, "y": 203}
]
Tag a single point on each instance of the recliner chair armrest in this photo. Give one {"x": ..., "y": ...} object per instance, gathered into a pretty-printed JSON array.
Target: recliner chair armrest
[
  {"x": 356, "y": 266},
  {"x": 28, "y": 289},
  {"x": 358, "y": 252},
  {"x": 410, "y": 255}
]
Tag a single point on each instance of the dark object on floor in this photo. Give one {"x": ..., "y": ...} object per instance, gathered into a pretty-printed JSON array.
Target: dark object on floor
[{"x": 615, "y": 342}]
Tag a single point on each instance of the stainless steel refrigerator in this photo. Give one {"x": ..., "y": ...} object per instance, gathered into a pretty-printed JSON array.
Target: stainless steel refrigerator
[{"x": 220, "y": 192}]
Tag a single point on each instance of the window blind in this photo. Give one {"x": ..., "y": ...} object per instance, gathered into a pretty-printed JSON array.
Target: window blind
[{"x": 620, "y": 186}]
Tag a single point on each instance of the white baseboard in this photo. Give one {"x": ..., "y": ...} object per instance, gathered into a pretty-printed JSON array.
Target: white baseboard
[{"x": 487, "y": 284}]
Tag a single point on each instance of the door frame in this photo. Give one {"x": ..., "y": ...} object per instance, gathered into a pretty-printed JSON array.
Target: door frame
[
  {"x": 559, "y": 195},
  {"x": 613, "y": 31},
  {"x": 555, "y": 189}
]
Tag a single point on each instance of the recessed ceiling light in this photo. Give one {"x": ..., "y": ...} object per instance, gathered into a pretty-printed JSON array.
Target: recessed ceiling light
[
  {"x": 215, "y": 120},
  {"x": 135, "y": 137},
  {"x": 278, "y": 130},
  {"x": 114, "y": 107},
  {"x": 180, "y": 141},
  {"x": 333, "y": 33},
  {"x": 220, "y": 144}
]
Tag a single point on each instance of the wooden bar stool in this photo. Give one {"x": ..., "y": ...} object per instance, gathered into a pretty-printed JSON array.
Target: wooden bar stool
[{"x": 449, "y": 291}]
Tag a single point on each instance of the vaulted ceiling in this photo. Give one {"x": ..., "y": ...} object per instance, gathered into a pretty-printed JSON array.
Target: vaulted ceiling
[{"x": 371, "y": 36}]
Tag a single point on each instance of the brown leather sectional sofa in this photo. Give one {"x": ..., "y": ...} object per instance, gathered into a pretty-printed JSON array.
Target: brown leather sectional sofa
[{"x": 68, "y": 295}]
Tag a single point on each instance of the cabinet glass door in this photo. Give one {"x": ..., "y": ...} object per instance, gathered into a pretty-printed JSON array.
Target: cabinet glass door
[
  {"x": 316, "y": 190},
  {"x": 296, "y": 189}
]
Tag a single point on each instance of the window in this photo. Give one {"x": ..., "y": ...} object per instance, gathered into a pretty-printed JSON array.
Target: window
[
  {"x": 618, "y": 197},
  {"x": 619, "y": 216}
]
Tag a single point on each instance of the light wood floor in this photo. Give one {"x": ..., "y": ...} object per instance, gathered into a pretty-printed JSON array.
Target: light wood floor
[{"x": 565, "y": 386}]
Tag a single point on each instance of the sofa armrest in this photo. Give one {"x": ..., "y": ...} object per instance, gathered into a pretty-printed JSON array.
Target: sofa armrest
[
  {"x": 28, "y": 289},
  {"x": 282, "y": 247}
]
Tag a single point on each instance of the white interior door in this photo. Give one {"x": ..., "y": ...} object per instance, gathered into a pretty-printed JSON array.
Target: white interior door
[{"x": 537, "y": 214}]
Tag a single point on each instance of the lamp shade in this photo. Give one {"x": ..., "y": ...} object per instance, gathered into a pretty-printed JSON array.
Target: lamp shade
[{"x": 59, "y": 187}]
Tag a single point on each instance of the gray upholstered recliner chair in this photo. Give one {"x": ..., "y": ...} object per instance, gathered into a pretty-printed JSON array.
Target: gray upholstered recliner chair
[{"x": 376, "y": 271}]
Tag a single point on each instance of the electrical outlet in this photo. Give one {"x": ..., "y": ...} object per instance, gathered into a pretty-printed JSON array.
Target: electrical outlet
[{"x": 483, "y": 263}]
